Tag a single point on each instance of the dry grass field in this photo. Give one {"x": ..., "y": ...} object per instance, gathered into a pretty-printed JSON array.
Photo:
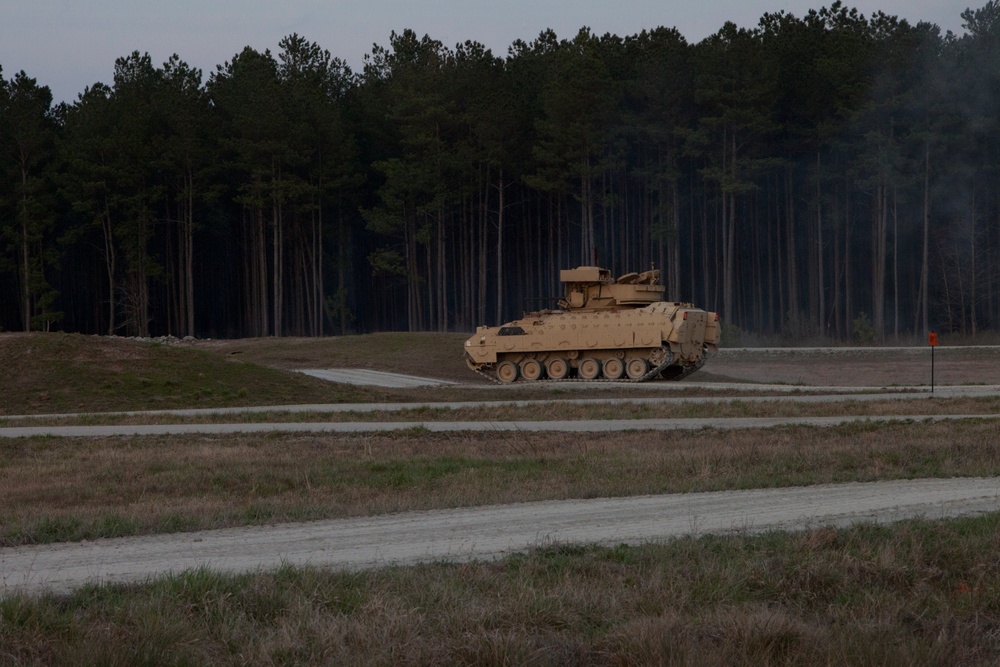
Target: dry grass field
[
  {"x": 625, "y": 407},
  {"x": 66, "y": 489},
  {"x": 920, "y": 592}
]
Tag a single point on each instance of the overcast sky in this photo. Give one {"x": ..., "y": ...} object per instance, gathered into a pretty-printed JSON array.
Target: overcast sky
[{"x": 70, "y": 44}]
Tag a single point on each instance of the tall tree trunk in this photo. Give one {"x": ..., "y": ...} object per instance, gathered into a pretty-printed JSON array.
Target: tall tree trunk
[
  {"x": 790, "y": 259},
  {"x": 848, "y": 252},
  {"x": 821, "y": 286},
  {"x": 110, "y": 262},
  {"x": 895, "y": 266},
  {"x": 692, "y": 264},
  {"x": 730, "y": 252},
  {"x": 414, "y": 310},
  {"x": 189, "y": 256},
  {"x": 924, "y": 264},
  {"x": 838, "y": 322},
  {"x": 675, "y": 245},
  {"x": 25, "y": 268},
  {"x": 484, "y": 206},
  {"x": 705, "y": 254},
  {"x": 556, "y": 251},
  {"x": 343, "y": 243},
  {"x": 772, "y": 232},
  {"x": 588, "y": 245},
  {"x": 278, "y": 259},
  {"x": 836, "y": 269},
  {"x": 442, "y": 297},
  {"x": 25, "y": 216},
  {"x": 319, "y": 295},
  {"x": 500, "y": 220},
  {"x": 431, "y": 305},
  {"x": 973, "y": 282},
  {"x": 262, "y": 300},
  {"x": 879, "y": 252}
]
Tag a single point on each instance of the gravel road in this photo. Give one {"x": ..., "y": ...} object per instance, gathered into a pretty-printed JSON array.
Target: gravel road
[
  {"x": 487, "y": 532},
  {"x": 567, "y": 426}
]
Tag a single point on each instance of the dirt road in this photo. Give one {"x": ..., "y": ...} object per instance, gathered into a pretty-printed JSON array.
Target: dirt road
[
  {"x": 852, "y": 366},
  {"x": 566, "y": 426},
  {"x": 488, "y": 532}
]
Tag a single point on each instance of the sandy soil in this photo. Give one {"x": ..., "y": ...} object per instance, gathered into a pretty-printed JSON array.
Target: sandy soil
[{"x": 488, "y": 532}]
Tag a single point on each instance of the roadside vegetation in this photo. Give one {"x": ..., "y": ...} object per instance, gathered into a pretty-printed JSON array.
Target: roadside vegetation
[
  {"x": 915, "y": 593},
  {"x": 64, "y": 489}
]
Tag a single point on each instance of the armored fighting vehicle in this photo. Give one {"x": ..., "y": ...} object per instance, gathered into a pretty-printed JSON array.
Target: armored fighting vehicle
[{"x": 604, "y": 329}]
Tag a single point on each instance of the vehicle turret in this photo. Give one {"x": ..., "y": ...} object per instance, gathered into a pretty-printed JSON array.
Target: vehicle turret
[{"x": 591, "y": 287}]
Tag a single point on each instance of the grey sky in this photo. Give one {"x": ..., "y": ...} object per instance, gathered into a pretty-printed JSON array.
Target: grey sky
[{"x": 70, "y": 44}]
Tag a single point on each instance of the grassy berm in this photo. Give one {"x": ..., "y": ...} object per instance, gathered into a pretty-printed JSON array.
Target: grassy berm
[
  {"x": 437, "y": 355},
  {"x": 917, "y": 593},
  {"x": 60, "y": 373}
]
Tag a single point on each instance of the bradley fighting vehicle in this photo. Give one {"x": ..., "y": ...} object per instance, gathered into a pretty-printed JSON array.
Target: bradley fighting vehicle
[{"x": 611, "y": 329}]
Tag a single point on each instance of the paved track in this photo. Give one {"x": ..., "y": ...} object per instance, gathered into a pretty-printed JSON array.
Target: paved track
[
  {"x": 359, "y": 376},
  {"x": 488, "y": 532}
]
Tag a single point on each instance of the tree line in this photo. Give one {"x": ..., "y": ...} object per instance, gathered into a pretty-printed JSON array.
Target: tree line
[{"x": 831, "y": 175}]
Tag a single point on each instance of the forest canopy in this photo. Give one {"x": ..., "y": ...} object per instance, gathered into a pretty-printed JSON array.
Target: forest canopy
[{"x": 829, "y": 176}]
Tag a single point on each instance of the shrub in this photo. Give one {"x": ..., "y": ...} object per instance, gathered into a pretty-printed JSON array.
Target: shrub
[
  {"x": 863, "y": 330},
  {"x": 731, "y": 335}
]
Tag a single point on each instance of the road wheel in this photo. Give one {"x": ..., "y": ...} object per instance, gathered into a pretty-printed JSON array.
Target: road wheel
[
  {"x": 658, "y": 357},
  {"x": 588, "y": 369},
  {"x": 557, "y": 369},
  {"x": 531, "y": 370},
  {"x": 613, "y": 368},
  {"x": 507, "y": 372},
  {"x": 636, "y": 368}
]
